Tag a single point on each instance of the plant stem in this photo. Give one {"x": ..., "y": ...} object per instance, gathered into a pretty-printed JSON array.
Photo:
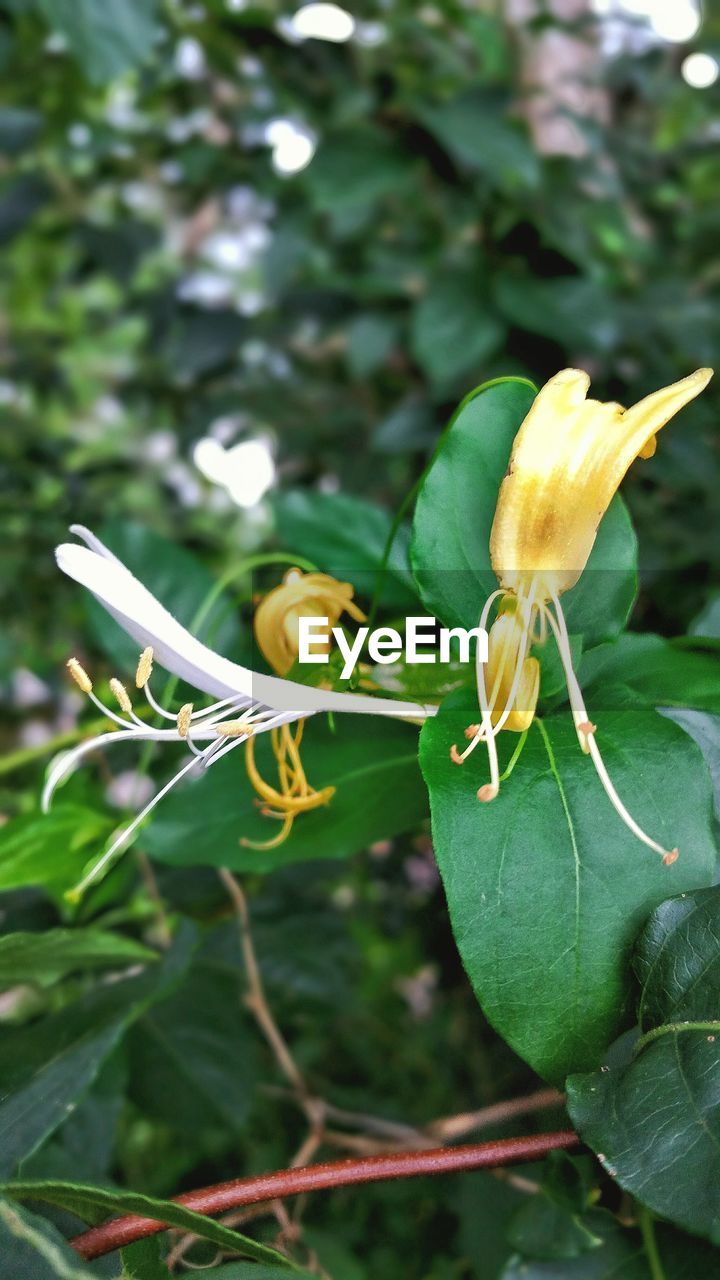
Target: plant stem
[
  {"x": 338, "y": 1173},
  {"x": 646, "y": 1222}
]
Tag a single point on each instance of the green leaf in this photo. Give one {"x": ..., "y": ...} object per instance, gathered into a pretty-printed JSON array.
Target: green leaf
[
  {"x": 106, "y": 39},
  {"x": 46, "y": 957},
  {"x": 346, "y": 536},
  {"x": 48, "y": 1066},
  {"x": 707, "y": 621},
  {"x": 371, "y": 337},
  {"x": 669, "y": 1086},
  {"x": 705, "y": 731},
  {"x": 454, "y": 327},
  {"x": 621, "y": 1256},
  {"x": 372, "y": 764},
  {"x": 546, "y": 886},
  {"x": 142, "y": 1260},
  {"x": 450, "y": 550},
  {"x": 19, "y": 127},
  {"x": 646, "y": 671},
  {"x": 50, "y": 850},
  {"x": 33, "y": 1249},
  {"x": 180, "y": 582},
  {"x": 250, "y": 1271},
  {"x": 478, "y": 133},
  {"x": 355, "y": 168},
  {"x": 93, "y": 1204},
  {"x": 544, "y": 1230},
  {"x": 192, "y": 1056}
]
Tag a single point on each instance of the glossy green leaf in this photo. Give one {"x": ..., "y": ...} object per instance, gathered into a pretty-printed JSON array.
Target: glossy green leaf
[
  {"x": 48, "y": 1066},
  {"x": 704, "y": 729},
  {"x": 621, "y": 1255},
  {"x": 105, "y": 40},
  {"x": 546, "y": 887},
  {"x": 645, "y": 670},
  {"x": 450, "y": 550},
  {"x": 33, "y": 1249},
  {"x": 346, "y": 537},
  {"x": 50, "y": 850},
  {"x": 543, "y": 1230},
  {"x": 192, "y": 1056},
  {"x": 371, "y": 761},
  {"x": 178, "y": 579},
  {"x": 93, "y": 1204},
  {"x": 477, "y": 131},
  {"x": 142, "y": 1260},
  {"x": 454, "y": 327},
  {"x": 668, "y": 1086},
  {"x": 46, "y": 957}
]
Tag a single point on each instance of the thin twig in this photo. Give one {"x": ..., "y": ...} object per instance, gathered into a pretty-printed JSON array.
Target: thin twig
[{"x": 318, "y": 1177}]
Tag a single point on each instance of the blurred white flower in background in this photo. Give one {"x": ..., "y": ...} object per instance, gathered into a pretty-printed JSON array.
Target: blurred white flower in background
[
  {"x": 293, "y": 145},
  {"x": 190, "y": 60},
  {"x": 700, "y": 70},
  {"x": 246, "y": 470},
  {"x": 318, "y": 22},
  {"x": 676, "y": 21}
]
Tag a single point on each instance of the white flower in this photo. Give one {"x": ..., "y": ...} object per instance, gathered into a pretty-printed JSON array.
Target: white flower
[{"x": 247, "y": 703}]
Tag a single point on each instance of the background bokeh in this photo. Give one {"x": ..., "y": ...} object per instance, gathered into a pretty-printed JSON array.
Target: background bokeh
[{"x": 250, "y": 255}]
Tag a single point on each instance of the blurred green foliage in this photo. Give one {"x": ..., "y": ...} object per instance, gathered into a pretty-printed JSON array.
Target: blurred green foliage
[{"x": 162, "y": 282}]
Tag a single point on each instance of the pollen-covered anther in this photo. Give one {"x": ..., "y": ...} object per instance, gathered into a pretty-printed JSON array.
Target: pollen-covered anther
[
  {"x": 184, "y": 716},
  {"x": 586, "y": 727},
  {"x": 671, "y": 857},
  {"x": 487, "y": 793},
  {"x": 120, "y": 693},
  {"x": 472, "y": 731},
  {"x": 455, "y": 754},
  {"x": 144, "y": 668},
  {"x": 234, "y": 729},
  {"x": 79, "y": 675}
]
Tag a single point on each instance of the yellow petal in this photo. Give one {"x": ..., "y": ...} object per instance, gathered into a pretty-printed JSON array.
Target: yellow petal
[
  {"x": 567, "y": 462},
  {"x": 300, "y": 595},
  {"x": 505, "y": 642}
]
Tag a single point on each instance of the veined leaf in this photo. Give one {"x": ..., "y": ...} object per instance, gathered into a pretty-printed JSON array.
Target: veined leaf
[
  {"x": 652, "y": 1114},
  {"x": 47, "y": 957},
  {"x": 546, "y": 886}
]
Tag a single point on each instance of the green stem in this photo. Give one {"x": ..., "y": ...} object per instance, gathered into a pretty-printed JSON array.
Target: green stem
[
  {"x": 672, "y": 1028},
  {"x": 515, "y": 756},
  {"x": 646, "y": 1222}
]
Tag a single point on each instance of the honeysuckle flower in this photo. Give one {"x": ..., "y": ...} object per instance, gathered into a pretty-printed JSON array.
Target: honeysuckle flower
[
  {"x": 567, "y": 462},
  {"x": 246, "y": 703},
  {"x": 300, "y": 595},
  {"x": 276, "y": 625}
]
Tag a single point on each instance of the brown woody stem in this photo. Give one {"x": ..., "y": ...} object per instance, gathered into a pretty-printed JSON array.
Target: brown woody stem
[{"x": 120, "y": 1232}]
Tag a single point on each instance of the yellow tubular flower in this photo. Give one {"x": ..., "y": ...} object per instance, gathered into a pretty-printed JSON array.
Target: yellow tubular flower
[
  {"x": 567, "y": 462},
  {"x": 300, "y": 595},
  {"x": 276, "y": 625}
]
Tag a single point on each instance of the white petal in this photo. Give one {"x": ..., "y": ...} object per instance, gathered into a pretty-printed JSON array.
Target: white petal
[{"x": 149, "y": 623}]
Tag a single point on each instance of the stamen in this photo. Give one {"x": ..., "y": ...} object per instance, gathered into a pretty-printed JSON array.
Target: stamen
[
  {"x": 455, "y": 755},
  {"x": 144, "y": 668},
  {"x": 121, "y": 695},
  {"x": 79, "y": 675},
  {"x": 184, "y": 716},
  {"x": 234, "y": 729},
  {"x": 487, "y": 793},
  {"x": 472, "y": 731},
  {"x": 586, "y": 733}
]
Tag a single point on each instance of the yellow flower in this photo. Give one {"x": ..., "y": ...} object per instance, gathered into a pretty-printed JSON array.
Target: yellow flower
[
  {"x": 300, "y": 595},
  {"x": 276, "y": 625},
  {"x": 567, "y": 462}
]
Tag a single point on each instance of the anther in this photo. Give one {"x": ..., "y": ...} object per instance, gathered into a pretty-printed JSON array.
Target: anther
[
  {"x": 487, "y": 793},
  {"x": 234, "y": 729},
  {"x": 184, "y": 717},
  {"x": 79, "y": 675},
  {"x": 121, "y": 695},
  {"x": 671, "y": 857},
  {"x": 144, "y": 668},
  {"x": 455, "y": 754},
  {"x": 472, "y": 731},
  {"x": 586, "y": 727}
]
